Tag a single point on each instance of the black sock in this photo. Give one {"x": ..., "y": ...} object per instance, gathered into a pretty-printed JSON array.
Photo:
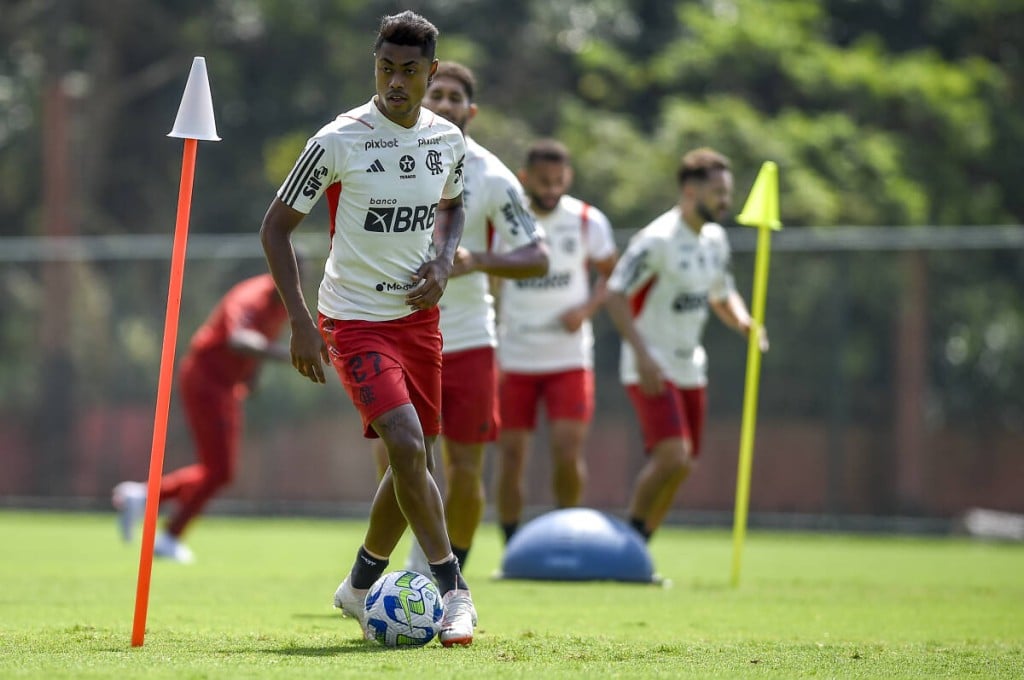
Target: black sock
[
  {"x": 367, "y": 569},
  {"x": 509, "y": 530},
  {"x": 640, "y": 525},
  {"x": 461, "y": 554},
  {"x": 448, "y": 576}
]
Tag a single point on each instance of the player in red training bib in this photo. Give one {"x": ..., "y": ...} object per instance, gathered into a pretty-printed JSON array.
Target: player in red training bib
[
  {"x": 672, "y": 271},
  {"x": 214, "y": 378},
  {"x": 392, "y": 172}
]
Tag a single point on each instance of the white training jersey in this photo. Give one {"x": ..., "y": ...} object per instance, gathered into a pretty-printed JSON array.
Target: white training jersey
[
  {"x": 495, "y": 207},
  {"x": 531, "y": 338},
  {"x": 383, "y": 183},
  {"x": 669, "y": 273}
]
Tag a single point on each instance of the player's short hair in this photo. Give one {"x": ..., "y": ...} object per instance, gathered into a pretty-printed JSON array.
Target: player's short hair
[
  {"x": 456, "y": 71},
  {"x": 547, "y": 150},
  {"x": 697, "y": 165},
  {"x": 410, "y": 29}
]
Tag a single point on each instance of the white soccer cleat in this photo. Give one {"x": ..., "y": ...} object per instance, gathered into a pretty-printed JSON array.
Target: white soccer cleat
[
  {"x": 169, "y": 547},
  {"x": 459, "y": 618},
  {"x": 129, "y": 498},
  {"x": 352, "y": 603}
]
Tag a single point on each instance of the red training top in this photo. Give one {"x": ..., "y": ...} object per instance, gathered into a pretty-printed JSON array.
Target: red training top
[{"x": 251, "y": 304}]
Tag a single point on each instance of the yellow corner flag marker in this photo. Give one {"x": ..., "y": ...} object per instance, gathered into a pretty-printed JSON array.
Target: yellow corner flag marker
[{"x": 762, "y": 212}]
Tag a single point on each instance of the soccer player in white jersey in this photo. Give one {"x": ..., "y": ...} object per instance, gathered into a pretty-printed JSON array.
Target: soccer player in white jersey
[
  {"x": 545, "y": 346},
  {"x": 495, "y": 208},
  {"x": 658, "y": 297},
  {"x": 393, "y": 173}
]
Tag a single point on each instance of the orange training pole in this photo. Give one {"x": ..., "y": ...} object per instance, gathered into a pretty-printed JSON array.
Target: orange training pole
[{"x": 163, "y": 394}]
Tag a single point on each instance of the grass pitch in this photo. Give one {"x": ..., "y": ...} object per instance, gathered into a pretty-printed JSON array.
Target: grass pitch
[{"x": 257, "y": 603}]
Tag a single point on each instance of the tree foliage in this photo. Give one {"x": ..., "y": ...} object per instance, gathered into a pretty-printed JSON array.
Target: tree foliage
[{"x": 902, "y": 112}]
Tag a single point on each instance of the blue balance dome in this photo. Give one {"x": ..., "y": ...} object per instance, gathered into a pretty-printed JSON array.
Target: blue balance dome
[{"x": 577, "y": 544}]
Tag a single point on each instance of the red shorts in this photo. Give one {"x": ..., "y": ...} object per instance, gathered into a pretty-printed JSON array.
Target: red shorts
[
  {"x": 469, "y": 396},
  {"x": 567, "y": 395},
  {"x": 677, "y": 412},
  {"x": 384, "y": 364},
  {"x": 214, "y": 412}
]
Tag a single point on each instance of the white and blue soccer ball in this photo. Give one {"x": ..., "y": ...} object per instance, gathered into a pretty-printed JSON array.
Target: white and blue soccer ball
[{"x": 403, "y": 609}]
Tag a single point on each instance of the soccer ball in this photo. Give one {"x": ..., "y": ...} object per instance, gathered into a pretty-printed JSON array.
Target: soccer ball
[{"x": 403, "y": 609}]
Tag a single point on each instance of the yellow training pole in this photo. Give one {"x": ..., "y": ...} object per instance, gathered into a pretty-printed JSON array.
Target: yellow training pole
[{"x": 761, "y": 211}]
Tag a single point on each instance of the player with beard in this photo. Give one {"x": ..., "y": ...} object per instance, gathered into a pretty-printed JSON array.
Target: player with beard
[
  {"x": 673, "y": 270},
  {"x": 495, "y": 208},
  {"x": 546, "y": 343}
]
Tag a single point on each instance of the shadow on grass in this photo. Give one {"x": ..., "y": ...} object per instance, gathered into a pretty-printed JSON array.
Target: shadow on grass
[
  {"x": 332, "y": 615},
  {"x": 353, "y": 647}
]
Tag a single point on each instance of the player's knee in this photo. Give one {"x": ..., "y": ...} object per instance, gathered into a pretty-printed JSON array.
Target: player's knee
[
  {"x": 465, "y": 462},
  {"x": 673, "y": 457},
  {"x": 406, "y": 454}
]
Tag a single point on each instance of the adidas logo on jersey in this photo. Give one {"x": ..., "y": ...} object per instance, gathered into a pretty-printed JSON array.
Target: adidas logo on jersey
[{"x": 376, "y": 166}]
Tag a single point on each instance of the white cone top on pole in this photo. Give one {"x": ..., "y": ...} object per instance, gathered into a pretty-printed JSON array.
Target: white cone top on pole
[{"x": 195, "y": 113}]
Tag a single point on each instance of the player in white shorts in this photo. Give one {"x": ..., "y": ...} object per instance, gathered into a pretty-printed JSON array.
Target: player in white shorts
[
  {"x": 392, "y": 172},
  {"x": 673, "y": 270},
  {"x": 546, "y": 343},
  {"x": 495, "y": 208}
]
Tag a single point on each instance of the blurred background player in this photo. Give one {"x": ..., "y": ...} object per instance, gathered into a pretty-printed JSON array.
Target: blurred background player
[
  {"x": 393, "y": 175},
  {"x": 495, "y": 207},
  {"x": 546, "y": 343},
  {"x": 671, "y": 272},
  {"x": 215, "y": 376}
]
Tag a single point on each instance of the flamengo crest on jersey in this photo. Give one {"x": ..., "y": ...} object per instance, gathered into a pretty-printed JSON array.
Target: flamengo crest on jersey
[
  {"x": 495, "y": 205},
  {"x": 531, "y": 336},
  {"x": 383, "y": 184},
  {"x": 669, "y": 273}
]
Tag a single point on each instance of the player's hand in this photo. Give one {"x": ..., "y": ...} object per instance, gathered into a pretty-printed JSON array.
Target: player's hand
[
  {"x": 430, "y": 281},
  {"x": 762, "y": 339},
  {"x": 309, "y": 352},
  {"x": 652, "y": 380},
  {"x": 464, "y": 263},
  {"x": 573, "y": 319}
]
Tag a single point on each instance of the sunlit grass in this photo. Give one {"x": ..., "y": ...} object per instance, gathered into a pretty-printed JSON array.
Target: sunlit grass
[{"x": 257, "y": 603}]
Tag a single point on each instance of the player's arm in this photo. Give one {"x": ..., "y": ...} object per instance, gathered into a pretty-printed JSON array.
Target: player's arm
[
  {"x": 573, "y": 318},
  {"x": 631, "y": 273},
  {"x": 525, "y": 262},
  {"x": 432, "y": 276},
  {"x": 652, "y": 380},
  {"x": 252, "y": 342},
  {"x": 308, "y": 350},
  {"x": 524, "y": 254},
  {"x": 732, "y": 310}
]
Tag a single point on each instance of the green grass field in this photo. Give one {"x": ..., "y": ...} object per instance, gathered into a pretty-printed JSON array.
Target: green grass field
[{"x": 257, "y": 603}]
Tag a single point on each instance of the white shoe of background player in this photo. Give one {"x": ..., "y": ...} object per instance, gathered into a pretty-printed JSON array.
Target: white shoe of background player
[{"x": 129, "y": 498}]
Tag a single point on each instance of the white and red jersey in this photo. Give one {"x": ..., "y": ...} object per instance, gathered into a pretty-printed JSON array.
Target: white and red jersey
[
  {"x": 495, "y": 208},
  {"x": 383, "y": 183},
  {"x": 531, "y": 338},
  {"x": 669, "y": 273}
]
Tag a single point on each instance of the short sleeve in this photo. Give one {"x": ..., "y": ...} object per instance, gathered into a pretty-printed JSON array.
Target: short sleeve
[
  {"x": 600, "y": 239},
  {"x": 513, "y": 224},
  {"x": 455, "y": 183},
  {"x": 312, "y": 173},
  {"x": 637, "y": 265}
]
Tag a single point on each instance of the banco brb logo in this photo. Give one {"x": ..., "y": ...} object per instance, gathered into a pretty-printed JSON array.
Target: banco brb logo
[{"x": 400, "y": 219}]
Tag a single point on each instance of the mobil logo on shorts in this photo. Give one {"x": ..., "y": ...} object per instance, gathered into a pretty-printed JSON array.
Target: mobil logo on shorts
[{"x": 384, "y": 216}]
